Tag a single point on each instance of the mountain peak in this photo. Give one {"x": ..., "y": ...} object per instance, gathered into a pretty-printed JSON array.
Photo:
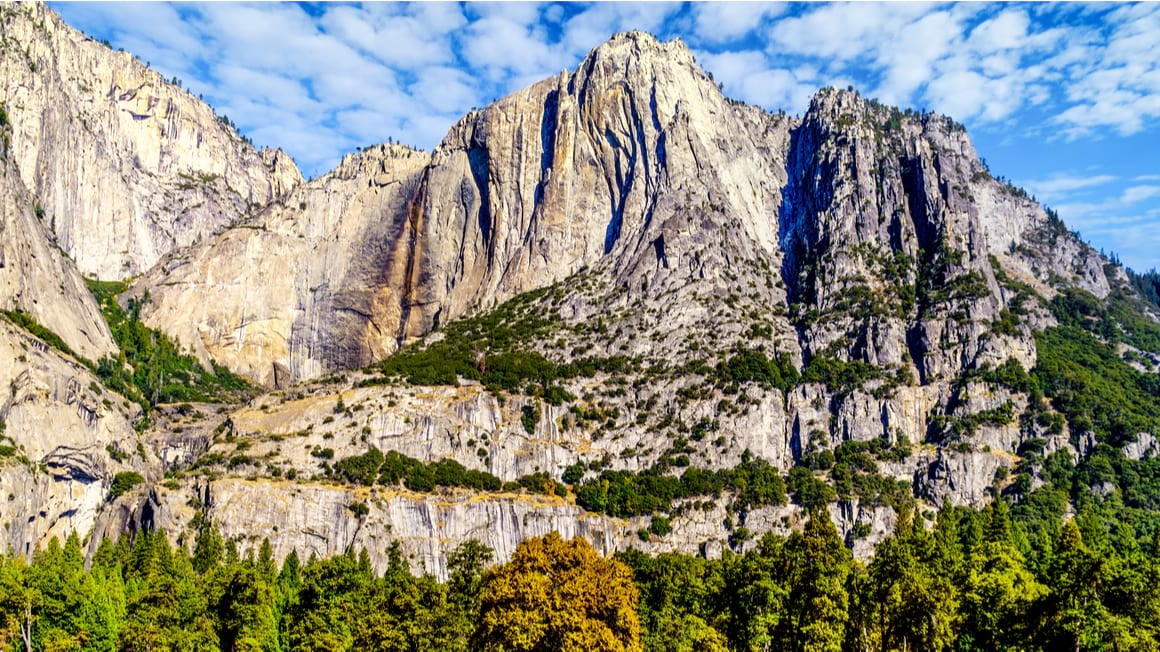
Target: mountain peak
[
  {"x": 642, "y": 39},
  {"x": 639, "y": 50}
]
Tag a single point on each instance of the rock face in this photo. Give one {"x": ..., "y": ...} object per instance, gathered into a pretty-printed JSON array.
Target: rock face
[
  {"x": 125, "y": 166},
  {"x": 636, "y": 158},
  {"x": 65, "y": 436},
  {"x": 666, "y": 222},
  {"x": 308, "y": 285},
  {"x": 36, "y": 278},
  {"x": 317, "y": 520},
  {"x": 627, "y": 209},
  {"x": 637, "y": 165}
]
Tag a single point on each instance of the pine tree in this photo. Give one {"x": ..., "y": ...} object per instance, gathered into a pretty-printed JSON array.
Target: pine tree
[
  {"x": 915, "y": 607},
  {"x": 818, "y": 565}
]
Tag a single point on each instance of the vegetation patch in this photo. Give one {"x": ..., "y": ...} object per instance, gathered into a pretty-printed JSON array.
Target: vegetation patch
[
  {"x": 393, "y": 468},
  {"x": 123, "y": 482},
  {"x": 1094, "y": 388},
  {"x": 150, "y": 368},
  {"x": 25, "y": 321},
  {"x": 623, "y": 493},
  {"x": 490, "y": 349}
]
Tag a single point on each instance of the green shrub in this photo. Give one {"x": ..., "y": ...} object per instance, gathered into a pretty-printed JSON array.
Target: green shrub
[
  {"x": 529, "y": 417},
  {"x": 393, "y": 468},
  {"x": 492, "y": 349},
  {"x": 361, "y": 469},
  {"x": 838, "y": 375},
  {"x": 810, "y": 492},
  {"x": 660, "y": 526},
  {"x": 752, "y": 365},
  {"x": 624, "y": 494},
  {"x": 574, "y": 473},
  {"x": 124, "y": 481}
]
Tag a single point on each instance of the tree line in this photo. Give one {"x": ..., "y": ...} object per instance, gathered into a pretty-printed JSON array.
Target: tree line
[{"x": 961, "y": 580}]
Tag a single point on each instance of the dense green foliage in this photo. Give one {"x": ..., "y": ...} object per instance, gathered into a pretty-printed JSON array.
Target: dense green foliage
[
  {"x": 1094, "y": 387},
  {"x": 394, "y": 468},
  {"x": 149, "y": 596},
  {"x": 623, "y": 493},
  {"x": 150, "y": 368},
  {"x": 124, "y": 481},
  {"x": 838, "y": 375},
  {"x": 746, "y": 365},
  {"x": 491, "y": 349},
  {"x": 970, "y": 580},
  {"x": 1094, "y": 391},
  {"x": 1098, "y": 391},
  {"x": 1119, "y": 318}
]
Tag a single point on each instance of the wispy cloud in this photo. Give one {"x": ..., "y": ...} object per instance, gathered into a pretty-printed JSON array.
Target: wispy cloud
[
  {"x": 1137, "y": 194},
  {"x": 1059, "y": 187},
  {"x": 722, "y": 22}
]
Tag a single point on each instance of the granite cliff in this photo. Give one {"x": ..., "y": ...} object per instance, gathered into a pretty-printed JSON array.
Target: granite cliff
[
  {"x": 616, "y": 273},
  {"x": 125, "y": 166}
]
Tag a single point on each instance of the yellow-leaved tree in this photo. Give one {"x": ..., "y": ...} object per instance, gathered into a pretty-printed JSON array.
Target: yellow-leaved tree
[{"x": 558, "y": 595}]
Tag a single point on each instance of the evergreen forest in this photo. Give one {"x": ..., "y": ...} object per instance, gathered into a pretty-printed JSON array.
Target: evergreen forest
[{"x": 958, "y": 579}]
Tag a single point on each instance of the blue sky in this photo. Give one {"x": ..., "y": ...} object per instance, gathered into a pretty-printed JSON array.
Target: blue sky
[{"x": 1062, "y": 99}]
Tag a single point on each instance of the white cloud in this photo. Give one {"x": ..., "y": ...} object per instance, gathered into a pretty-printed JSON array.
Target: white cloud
[
  {"x": 733, "y": 68},
  {"x": 503, "y": 47},
  {"x": 1137, "y": 194},
  {"x": 962, "y": 93},
  {"x": 594, "y": 25},
  {"x": 1117, "y": 83},
  {"x": 1006, "y": 31},
  {"x": 440, "y": 87},
  {"x": 843, "y": 31},
  {"x": 1060, "y": 186},
  {"x": 403, "y": 40},
  {"x": 721, "y": 22},
  {"x": 749, "y": 76}
]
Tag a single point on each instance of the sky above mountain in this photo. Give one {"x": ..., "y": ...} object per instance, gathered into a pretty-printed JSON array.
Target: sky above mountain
[{"x": 1061, "y": 99}]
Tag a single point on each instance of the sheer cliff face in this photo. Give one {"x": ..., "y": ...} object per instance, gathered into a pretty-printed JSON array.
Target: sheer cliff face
[
  {"x": 895, "y": 234},
  {"x": 311, "y": 284},
  {"x": 861, "y": 233},
  {"x": 125, "y": 166},
  {"x": 601, "y": 163},
  {"x": 68, "y": 436},
  {"x": 635, "y": 161},
  {"x": 60, "y": 424},
  {"x": 37, "y": 278}
]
